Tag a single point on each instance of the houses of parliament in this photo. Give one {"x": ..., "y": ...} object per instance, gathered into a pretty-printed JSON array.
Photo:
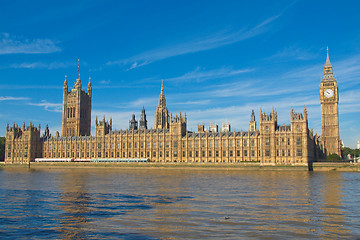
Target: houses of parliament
[{"x": 267, "y": 143}]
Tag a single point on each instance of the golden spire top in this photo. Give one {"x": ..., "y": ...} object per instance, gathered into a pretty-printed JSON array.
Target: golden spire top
[
  {"x": 78, "y": 81},
  {"x": 327, "y": 58},
  {"x": 79, "y": 68},
  {"x": 162, "y": 100},
  {"x": 327, "y": 67}
]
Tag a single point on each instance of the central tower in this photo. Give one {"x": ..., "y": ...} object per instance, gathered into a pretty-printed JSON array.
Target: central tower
[
  {"x": 76, "y": 117},
  {"x": 329, "y": 99},
  {"x": 162, "y": 113}
]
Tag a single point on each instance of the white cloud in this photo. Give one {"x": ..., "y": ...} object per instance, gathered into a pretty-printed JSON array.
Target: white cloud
[
  {"x": 201, "y": 44},
  {"x": 8, "y": 98},
  {"x": 295, "y": 53},
  {"x": 201, "y": 102},
  {"x": 51, "y": 107},
  {"x": 16, "y": 87},
  {"x": 41, "y": 65},
  {"x": 12, "y": 45},
  {"x": 105, "y": 82},
  {"x": 203, "y": 75},
  {"x": 150, "y": 101}
]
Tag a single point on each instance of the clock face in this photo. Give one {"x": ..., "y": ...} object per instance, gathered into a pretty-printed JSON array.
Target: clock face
[{"x": 328, "y": 93}]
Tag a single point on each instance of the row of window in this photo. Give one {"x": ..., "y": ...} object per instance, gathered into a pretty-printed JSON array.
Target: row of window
[
  {"x": 283, "y": 153},
  {"x": 285, "y": 161},
  {"x": 18, "y": 154},
  {"x": 175, "y": 154},
  {"x": 160, "y": 144},
  {"x": 18, "y": 146},
  {"x": 69, "y": 132},
  {"x": 71, "y": 112},
  {"x": 160, "y": 154},
  {"x": 298, "y": 141}
]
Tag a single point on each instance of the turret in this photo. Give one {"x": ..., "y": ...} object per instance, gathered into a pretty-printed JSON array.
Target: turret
[
  {"x": 133, "y": 124},
  {"x": 89, "y": 88},
  {"x": 299, "y": 121},
  {"x": 252, "y": 121},
  {"x": 65, "y": 85},
  {"x": 102, "y": 127},
  {"x": 305, "y": 113},
  {"x": 214, "y": 127},
  {"x": 269, "y": 119},
  {"x": 47, "y": 132},
  {"x": 178, "y": 125},
  {"x": 143, "y": 121},
  {"x": 226, "y": 127},
  {"x": 201, "y": 128}
]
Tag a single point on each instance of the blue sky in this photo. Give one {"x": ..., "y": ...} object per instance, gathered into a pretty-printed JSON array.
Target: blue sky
[{"x": 218, "y": 59}]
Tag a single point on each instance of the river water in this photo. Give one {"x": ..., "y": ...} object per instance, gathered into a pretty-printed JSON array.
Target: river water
[{"x": 178, "y": 204}]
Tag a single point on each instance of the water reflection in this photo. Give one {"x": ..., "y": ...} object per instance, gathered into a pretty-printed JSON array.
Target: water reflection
[
  {"x": 177, "y": 204},
  {"x": 165, "y": 215},
  {"x": 333, "y": 222},
  {"x": 283, "y": 205},
  {"x": 74, "y": 202}
]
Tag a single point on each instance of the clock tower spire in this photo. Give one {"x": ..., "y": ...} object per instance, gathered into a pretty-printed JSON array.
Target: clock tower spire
[
  {"x": 328, "y": 66},
  {"x": 329, "y": 99}
]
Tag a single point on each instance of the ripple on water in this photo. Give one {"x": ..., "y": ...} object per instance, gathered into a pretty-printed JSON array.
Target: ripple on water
[{"x": 177, "y": 204}]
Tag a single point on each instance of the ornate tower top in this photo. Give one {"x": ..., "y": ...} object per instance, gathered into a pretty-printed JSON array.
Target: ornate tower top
[
  {"x": 65, "y": 84},
  {"x": 328, "y": 66},
  {"x": 76, "y": 120},
  {"x": 162, "y": 114},
  {"x": 89, "y": 88},
  {"x": 143, "y": 121},
  {"x": 133, "y": 123},
  {"x": 162, "y": 100},
  {"x": 79, "y": 68},
  {"x": 327, "y": 58},
  {"x": 253, "y": 121},
  {"x": 78, "y": 81},
  {"x": 252, "y": 116}
]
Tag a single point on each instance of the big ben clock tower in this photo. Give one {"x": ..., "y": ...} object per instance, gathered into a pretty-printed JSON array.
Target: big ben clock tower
[{"x": 329, "y": 99}]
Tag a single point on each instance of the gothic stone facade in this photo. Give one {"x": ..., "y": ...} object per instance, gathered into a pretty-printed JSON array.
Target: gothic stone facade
[
  {"x": 170, "y": 141},
  {"x": 292, "y": 144},
  {"x": 76, "y": 117}
]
